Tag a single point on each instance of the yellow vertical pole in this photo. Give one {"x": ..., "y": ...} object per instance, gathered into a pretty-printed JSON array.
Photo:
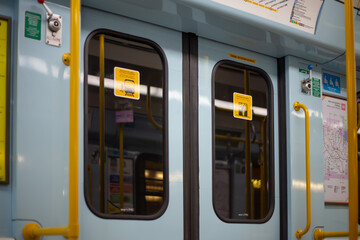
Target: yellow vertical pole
[
  {"x": 247, "y": 153},
  {"x": 90, "y": 171},
  {"x": 102, "y": 122},
  {"x": 358, "y": 116},
  {"x": 263, "y": 168},
  {"x": 352, "y": 123},
  {"x": 74, "y": 121},
  {"x": 121, "y": 158}
]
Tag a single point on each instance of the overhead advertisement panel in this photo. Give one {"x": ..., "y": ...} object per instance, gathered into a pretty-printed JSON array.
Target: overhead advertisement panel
[{"x": 299, "y": 14}]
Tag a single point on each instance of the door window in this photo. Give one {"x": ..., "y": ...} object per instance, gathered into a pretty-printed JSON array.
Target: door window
[
  {"x": 125, "y": 123},
  {"x": 243, "y": 143}
]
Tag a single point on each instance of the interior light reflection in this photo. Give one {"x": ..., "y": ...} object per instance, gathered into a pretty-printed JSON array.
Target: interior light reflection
[
  {"x": 154, "y": 174},
  {"x": 150, "y": 198},
  {"x": 301, "y": 114},
  {"x": 109, "y": 83},
  {"x": 299, "y": 184},
  {"x": 230, "y": 106}
]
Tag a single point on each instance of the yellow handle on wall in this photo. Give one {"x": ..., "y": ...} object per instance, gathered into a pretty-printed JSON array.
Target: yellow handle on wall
[{"x": 299, "y": 232}]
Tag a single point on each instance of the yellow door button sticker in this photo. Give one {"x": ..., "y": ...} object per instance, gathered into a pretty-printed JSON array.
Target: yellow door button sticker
[
  {"x": 126, "y": 83},
  {"x": 242, "y": 106}
]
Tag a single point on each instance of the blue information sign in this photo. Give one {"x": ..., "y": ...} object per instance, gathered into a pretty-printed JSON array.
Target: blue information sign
[{"x": 331, "y": 83}]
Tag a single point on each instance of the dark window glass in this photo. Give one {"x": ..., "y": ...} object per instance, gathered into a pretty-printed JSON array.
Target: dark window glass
[
  {"x": 242, "y": 164},
  {"x": 125, "y": 160}
]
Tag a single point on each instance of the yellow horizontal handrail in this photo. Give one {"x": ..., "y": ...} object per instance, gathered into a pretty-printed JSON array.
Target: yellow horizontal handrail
[
  {"x": 319, "y": 234},
  {"x": 32, "y": 231},
  {"x": 299, "y": 232}
]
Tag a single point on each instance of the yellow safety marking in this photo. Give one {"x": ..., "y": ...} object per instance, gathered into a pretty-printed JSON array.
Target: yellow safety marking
[
  {"x": 242, "y": 106},
  {"x": 3, "y": 92},
  {"x": 242, "y": 58},
  {"x": 126, "y": 83}
]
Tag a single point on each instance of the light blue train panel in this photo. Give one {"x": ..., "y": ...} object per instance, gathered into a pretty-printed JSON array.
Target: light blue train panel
[
  {"x": 40, "y": 139},
  {"x": 325, "y": 216}
]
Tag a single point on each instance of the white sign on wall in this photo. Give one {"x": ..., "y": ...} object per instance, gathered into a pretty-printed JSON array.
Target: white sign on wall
[{"x": 299, "y": 14}]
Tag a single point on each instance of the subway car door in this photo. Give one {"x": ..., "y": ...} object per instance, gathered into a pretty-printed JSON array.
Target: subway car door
[
  {"x": 132, "y": 92},
  {"x": 238, "y": 143}
]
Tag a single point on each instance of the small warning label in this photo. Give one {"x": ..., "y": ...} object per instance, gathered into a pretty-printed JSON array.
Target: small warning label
[
  {"x": 126, "y": 83},
  {"x": 242, "y": 106}
]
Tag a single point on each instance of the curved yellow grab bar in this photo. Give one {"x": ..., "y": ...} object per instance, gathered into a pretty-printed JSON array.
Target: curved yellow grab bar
[
  {"x": 319, "y": 234},
  {"x": 148, "y": 110},
  {"x": 32, "y": 231},
  {"x": 299, "y": 232}
]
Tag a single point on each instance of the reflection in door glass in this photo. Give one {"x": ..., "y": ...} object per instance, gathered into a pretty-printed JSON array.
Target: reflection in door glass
[
  {"x": 125, "y": 164},
  {"x": 242, "y": 161}
]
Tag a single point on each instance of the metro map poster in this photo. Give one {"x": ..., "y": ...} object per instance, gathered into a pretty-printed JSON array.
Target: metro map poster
[{"x": 335, "y": 140}]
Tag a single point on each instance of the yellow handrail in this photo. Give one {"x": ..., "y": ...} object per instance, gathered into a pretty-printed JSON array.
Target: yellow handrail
[
  {"x": 353, "y": 126},
  {"x": 148, "y": 110},
  {"x": 352, "y": 121},
  {"x": 102, "y": 121},
  {"x": 248, "y": 189},
  {"x": 32, "y": 231},
  {"x": 358, "y": 117},
  {"x": 263, "y": 168},
  {"x": 121, "y": 168},
  {"x": 299, "y": 232},
  {"x": 319, "y": 234},
  {"x": 89, "y": 168}
]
